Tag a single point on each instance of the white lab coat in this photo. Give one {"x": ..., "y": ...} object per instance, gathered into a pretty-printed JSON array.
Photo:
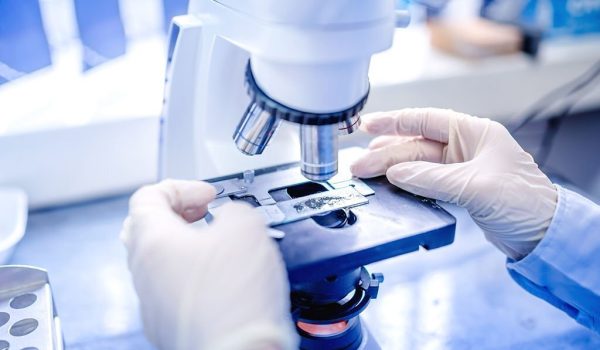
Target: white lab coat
[{"x": 564, "y": 268}]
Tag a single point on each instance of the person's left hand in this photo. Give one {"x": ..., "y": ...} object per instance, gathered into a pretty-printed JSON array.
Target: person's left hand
[
  {"x": 465, "y": 160},
  {"x": 223, "y": 286}
]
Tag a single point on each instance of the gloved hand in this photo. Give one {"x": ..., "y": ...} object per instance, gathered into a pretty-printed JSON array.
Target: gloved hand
[
  {"x": 465, "y": 160},
  {"x": 223, "y": 286}
]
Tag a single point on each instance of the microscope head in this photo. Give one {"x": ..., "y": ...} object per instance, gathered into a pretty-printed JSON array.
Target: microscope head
[{"x": 309, "y": 66}]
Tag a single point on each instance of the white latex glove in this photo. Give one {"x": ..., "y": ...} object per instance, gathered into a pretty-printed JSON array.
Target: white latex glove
[
  {"x": 223, "y": 286},
  {"x": 465, "y": 160}
]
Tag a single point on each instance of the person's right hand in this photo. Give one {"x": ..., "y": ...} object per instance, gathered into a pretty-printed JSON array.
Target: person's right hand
[
  {"x": 469, "y": 161},
  {"x": 222, "y": 286}
]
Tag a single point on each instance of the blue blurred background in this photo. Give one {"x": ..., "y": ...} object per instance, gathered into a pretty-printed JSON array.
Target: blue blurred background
[
  {"x": 31, "y": 29},
  {"x": 81, "y": 91}
]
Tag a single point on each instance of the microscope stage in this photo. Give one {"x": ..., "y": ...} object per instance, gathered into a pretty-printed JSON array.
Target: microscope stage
[
  {"x": 381, "y": 221},
  {"x": 394, "y": 222}
]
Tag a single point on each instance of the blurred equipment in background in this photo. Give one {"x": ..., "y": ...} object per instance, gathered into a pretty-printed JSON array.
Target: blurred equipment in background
[
  {"x": 23, "y": 44},
  {"x": 553, "y": 17},
  {"x": 475, "y": 38},
  {"x": 13, "y": 220},
  {"x": 508, "y": 26},
  {"x": 100, "y": 30},
  {"x": 172, "y": 8},
  {"x": 28, "y": 318},
  {"x": 566, "y": 98}
]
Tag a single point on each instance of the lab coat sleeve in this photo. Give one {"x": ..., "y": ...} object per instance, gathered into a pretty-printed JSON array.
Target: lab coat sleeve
[{"x": 564, "y": 268}]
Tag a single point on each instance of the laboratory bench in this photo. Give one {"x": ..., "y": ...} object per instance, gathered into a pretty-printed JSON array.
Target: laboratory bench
[{"x": 454, "y": 297}]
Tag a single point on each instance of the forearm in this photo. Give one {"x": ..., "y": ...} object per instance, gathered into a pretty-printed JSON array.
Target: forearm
[{"x": 563, "y": 268}]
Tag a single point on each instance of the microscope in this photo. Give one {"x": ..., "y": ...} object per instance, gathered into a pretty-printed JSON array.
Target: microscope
[{"x": 293, "y": 76}]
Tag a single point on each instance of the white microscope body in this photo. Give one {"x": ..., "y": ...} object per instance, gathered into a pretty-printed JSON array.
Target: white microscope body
[{"x": 306, "y": 56}]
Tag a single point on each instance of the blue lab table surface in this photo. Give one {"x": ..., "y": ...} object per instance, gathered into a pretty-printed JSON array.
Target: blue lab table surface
[{"x": 454, "y": 297}]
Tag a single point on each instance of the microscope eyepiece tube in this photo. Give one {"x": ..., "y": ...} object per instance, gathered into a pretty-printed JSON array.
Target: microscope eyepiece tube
[
  {"x": 319, "y": 147},
  {"x": 255, "y": 130}
]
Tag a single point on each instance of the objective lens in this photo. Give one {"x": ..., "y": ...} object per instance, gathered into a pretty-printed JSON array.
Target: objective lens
[
  {"x": 255, "y": 130},
  {"x": 350, "y": 125},
  {"x": 319, "y": 146}
]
